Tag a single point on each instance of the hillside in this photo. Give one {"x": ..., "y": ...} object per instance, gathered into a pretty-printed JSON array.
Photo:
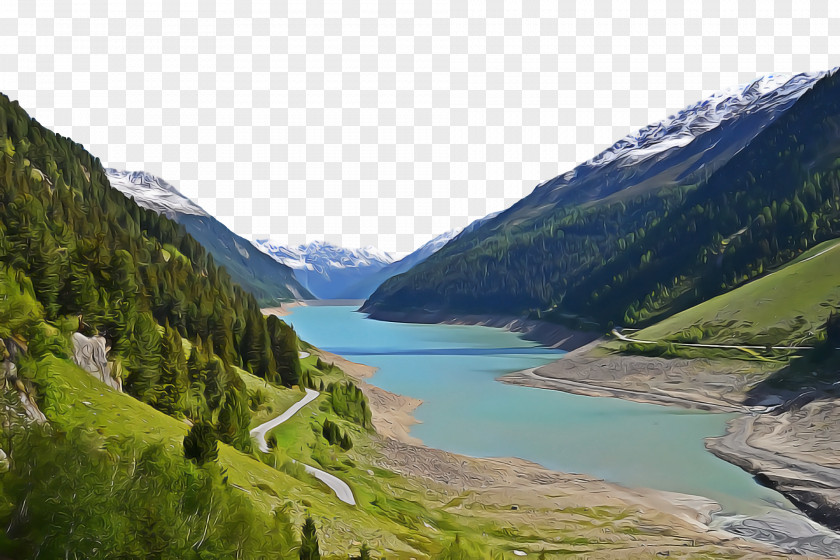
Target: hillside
[
  {"x": 268, "y": 280},
  {"x": 789, "y": 306},
  {"x": 146, "y": 452},
  {"x": 630, "y": 245},
  {"x": 77, "y": 260}
]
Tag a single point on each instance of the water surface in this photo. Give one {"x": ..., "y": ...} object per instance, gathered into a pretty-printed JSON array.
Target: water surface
[{"x": 453, "y": 369}]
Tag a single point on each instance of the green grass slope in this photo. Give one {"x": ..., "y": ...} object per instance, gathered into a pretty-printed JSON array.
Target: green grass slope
[{"x": 787, "y": 307}]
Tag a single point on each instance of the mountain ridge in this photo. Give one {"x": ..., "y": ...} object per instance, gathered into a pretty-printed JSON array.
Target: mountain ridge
[
  {"x": 533, "y": 257},
  {"x": 333, "y": 272},
  {"x": 264, "y": 277}
]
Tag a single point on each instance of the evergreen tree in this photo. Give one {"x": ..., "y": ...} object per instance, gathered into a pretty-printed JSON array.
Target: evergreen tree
[
  {"x": 309, "y": 549},
  {"x": 284, "y": 347},
  {"x": 143, "y": 361},
  {"x": 364, "y": 553},
  {"x": 173, "y": 372},
  {"x": 234, "y": 418}
]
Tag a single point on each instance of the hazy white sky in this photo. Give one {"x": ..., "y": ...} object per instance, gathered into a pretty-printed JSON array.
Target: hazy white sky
[{"x": 381, "y": 123}]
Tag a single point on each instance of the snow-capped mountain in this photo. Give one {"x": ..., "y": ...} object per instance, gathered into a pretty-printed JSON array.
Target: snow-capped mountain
[
  {"x": 369, "y": 284},
  {"x": 770, "y": 94},
  {"x": 321, "y": 255},
  {"x": 727, "y": 141},
  {"x": 678, "y": 150},
  {"x": 332, "y": 272},
  {"x": 327, "y": 270},
  {"x": 263, "y": 276},
  {"x": 153, "y": 193},
  {"x": 432, "y": 246}
]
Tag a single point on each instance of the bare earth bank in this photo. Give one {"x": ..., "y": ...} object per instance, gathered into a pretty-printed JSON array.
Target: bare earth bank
[
  {"x": 790, "y": 443},
  {"x": 668, "y": 522},
  {"x": 548, "y": 334}
]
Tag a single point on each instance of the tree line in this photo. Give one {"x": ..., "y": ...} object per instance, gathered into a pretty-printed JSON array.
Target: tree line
[
  {"x": 101, "y": 263},
  {"x": 640, "y": 255}
]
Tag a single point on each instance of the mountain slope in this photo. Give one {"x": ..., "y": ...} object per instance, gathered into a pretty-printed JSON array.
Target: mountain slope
[
  {"x": 79, "y": 258},
  {"x": 789, "y": 306},
  {"x": 329, "y": 271},
  {"x": 332, "y": 272},
  {"x": 267, "y": 279},
  {"x": 632, "y": 237},
  {"x": 366, "y": 286}
]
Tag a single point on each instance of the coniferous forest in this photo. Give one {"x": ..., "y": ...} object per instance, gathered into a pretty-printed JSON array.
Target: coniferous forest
[
  {"x": 175, "y": 471},
  {"x": 97, "y": 259},
  {"x": 78, "y": 256},
  {"x": 642, "y": 254}
]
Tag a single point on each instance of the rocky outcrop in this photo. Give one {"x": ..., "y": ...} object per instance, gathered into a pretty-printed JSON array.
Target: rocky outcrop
[
  {"x": 91, "y": 354},
  {"x": 10, "y": 350}
]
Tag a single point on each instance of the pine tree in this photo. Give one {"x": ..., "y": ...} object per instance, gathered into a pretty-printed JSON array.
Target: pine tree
[
  {"x": 173, "y": 372},
  {"x": 309, "y": 549},
  {"x": 143, "y": 361},
  {"x": 284, "y": 347},
  {"x": 233, "y": 421},
  {"x": 364, "y": 553}
]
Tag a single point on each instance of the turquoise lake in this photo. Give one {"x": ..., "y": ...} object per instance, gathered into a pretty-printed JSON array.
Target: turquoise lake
[{"x": 453, "y": 369}]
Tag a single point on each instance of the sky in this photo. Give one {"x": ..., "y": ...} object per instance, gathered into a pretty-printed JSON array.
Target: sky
[{"x": 381, "y": 123}]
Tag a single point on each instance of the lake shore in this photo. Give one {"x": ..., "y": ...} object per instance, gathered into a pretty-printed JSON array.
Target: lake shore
[
  {"x": 535, "y": 488},
  {"x": 692, "y": 383},
  {"x": 793, "y": 451},
  {"x": 401, "y": 452},
  {"x": 550, "y": 335},
  {"x": 789, "y": 446}
]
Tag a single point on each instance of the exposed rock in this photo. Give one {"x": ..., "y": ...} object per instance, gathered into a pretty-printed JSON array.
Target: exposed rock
[
  {"x": 91, "y": 354},
  {"x": 32, "y": 410},
  {"x": 11, "y": 349}
]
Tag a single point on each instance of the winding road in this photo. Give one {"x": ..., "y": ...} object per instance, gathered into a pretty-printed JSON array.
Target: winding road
[{"x": 342, "y": 491}]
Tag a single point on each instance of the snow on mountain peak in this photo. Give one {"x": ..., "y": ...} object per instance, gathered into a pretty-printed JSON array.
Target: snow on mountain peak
[
  {"x": 153, "y": 193},
  {"x": 764, "y": 94},
  {"x": 437, "y": 243},
  {"x": 321, "y": 254}
]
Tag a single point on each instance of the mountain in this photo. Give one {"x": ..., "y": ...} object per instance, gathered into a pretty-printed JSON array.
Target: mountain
[
  {"x": 681, "y": 149},
  {"x": 366, "y": 286},
  {"x": 90, "y": 279},
  {"x": 132, "y": 369},
  {"x": 264, "y": 277},
  {"x": 684, "y": 210},
  {"x": 332, "y": 272},
  {"x": 329, "y": 271}
]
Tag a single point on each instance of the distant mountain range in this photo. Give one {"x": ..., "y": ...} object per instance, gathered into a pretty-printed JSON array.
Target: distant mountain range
[
  {"x": 332, "y": 272},
  {"x": 269, "y": 280},
  {"x": 685, "y": 209},
  {"x": 329, "y": 271},
  {"x": 271, "y": 271}
]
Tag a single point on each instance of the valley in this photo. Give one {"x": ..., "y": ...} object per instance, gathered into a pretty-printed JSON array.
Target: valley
[
  {"x": 188, "y": 393},
  {"x": 638, "y": 445}
]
